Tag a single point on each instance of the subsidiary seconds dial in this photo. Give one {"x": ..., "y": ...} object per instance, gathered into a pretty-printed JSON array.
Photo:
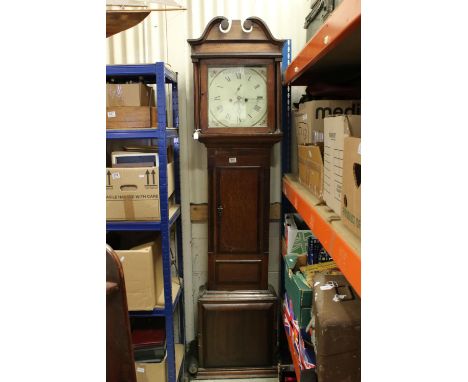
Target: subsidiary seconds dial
[{"x": 237, "y": 96}]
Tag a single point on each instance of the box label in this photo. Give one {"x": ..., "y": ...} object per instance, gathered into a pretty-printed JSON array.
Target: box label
[{"x": 111, "y": 114}]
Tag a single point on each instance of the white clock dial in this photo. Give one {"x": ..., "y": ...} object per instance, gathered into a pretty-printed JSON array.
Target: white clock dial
[{"x": 237, "y": 96}]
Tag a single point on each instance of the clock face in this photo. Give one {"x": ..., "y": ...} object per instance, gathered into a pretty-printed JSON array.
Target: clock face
[{"x": 237, "y": 96}]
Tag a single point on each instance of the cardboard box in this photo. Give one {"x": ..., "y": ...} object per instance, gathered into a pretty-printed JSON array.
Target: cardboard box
[
  {"x": 309, "y": 118},
  {"x": 131, "y": 117},
  {"x": 337, "y": 128},
  {"x": 133, "y": 193},
  {"x": 351, "y": 201},
  {"x": 157, "y": 372},
  {"x": 311, "y": 168},
  {"x": 298, "y": 291},
  {"x": 137, "y": 94},
  {"x": 296, "y": 233},
  {"x": 142, "y": 266}
]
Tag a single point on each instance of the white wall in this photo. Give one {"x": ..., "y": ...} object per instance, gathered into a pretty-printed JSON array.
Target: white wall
[{"x": 163, "y": 37}]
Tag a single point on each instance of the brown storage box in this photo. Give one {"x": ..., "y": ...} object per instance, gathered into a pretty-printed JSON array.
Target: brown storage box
[
  {"x": 157, "y": 372},
  {"x": 142, "y": 266},
  {"x": 351, "y": 200},
  {"x": 310, "y": 116},
  {"x": 137, "y": 94},
  {"x": 337, "y": 128},
  {"x": 311, "y": 168},
  {"x": 133, "y": 193},
  {"x": 131, "y": 117}
]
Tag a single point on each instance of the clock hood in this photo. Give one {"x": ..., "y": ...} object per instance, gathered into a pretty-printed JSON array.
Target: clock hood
[{"x": 237, "y": 33}]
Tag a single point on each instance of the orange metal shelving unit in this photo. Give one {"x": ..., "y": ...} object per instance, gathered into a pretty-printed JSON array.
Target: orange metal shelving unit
[
  {"x": 344, "y": 23},
  {"x": 342, "y": 245},
  {"x": 331, "y": 55}
]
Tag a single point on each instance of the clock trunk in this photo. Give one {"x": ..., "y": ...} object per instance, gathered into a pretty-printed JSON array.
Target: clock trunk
[{"x": 239, "y": 184}]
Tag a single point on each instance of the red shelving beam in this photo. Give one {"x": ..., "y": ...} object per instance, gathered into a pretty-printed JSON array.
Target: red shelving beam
[
  {"x": 344, "y": 19},
  {"x": 338, "y": 241}
]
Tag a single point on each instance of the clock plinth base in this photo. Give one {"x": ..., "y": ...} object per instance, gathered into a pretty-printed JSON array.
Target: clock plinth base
[{"x": 237, "y": 331}]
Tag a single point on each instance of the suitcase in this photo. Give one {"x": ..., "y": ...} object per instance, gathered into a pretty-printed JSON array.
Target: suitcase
[
  {"x": 320, "y": 10},
  {"x": 336, "y": 329}
]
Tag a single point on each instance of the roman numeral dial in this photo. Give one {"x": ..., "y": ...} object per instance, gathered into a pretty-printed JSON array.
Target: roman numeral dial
[{"x": 237, "y": 96}]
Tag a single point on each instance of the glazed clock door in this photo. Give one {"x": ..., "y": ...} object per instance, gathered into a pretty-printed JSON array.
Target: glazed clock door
[
  {"x": 237, "y": 96},
  {"x": 238, "y": 253}
]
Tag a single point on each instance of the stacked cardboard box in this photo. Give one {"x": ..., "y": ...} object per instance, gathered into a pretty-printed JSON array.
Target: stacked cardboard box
[
  {"x": 133, "y": 193},
  {"x": 310, "y": 133},
  {"x": 351, "y": 195},
  {"x": 142, "y": 266},
  {"x": 130, "y": 106},
  {"x": 337, "y": 128}
]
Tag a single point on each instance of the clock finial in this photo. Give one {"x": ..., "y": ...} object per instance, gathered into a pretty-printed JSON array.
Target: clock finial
[
  {"x": 247, "y": 26},
  {"x": 225, "y": 26}
]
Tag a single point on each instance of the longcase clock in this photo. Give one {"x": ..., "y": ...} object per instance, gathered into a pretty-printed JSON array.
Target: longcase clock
[{"x": 237, "y": 98}]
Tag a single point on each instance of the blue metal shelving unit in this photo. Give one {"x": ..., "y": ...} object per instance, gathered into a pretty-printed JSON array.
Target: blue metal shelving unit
[
  {"x": 160, "y": 75},
  {"x": 285, "y": 147}
]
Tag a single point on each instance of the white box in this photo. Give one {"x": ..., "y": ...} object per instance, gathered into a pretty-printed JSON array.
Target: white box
[
  {"x": 336, "y": 128},
  {"x": 134, "y": 157},
  {"x": 296, "y": 233}
]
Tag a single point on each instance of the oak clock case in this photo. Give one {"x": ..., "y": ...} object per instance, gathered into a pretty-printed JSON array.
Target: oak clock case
[{"x": 237, "y": 93}]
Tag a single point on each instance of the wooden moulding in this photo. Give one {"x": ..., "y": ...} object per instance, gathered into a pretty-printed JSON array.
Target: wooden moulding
[{"x": 199, "y": 212}]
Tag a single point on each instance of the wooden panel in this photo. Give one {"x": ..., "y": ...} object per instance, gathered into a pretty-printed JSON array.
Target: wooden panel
[
  {"x": 238, "y": 209},
  {"x": 227, "y": 272},
  {"x": 237, "y": 331},
  {"x": 199, "y": 212},
  {"x": 235, "y": 274}
]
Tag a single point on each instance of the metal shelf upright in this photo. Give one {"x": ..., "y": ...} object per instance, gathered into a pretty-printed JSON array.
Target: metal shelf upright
[{"x": 160, "y": 75}]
